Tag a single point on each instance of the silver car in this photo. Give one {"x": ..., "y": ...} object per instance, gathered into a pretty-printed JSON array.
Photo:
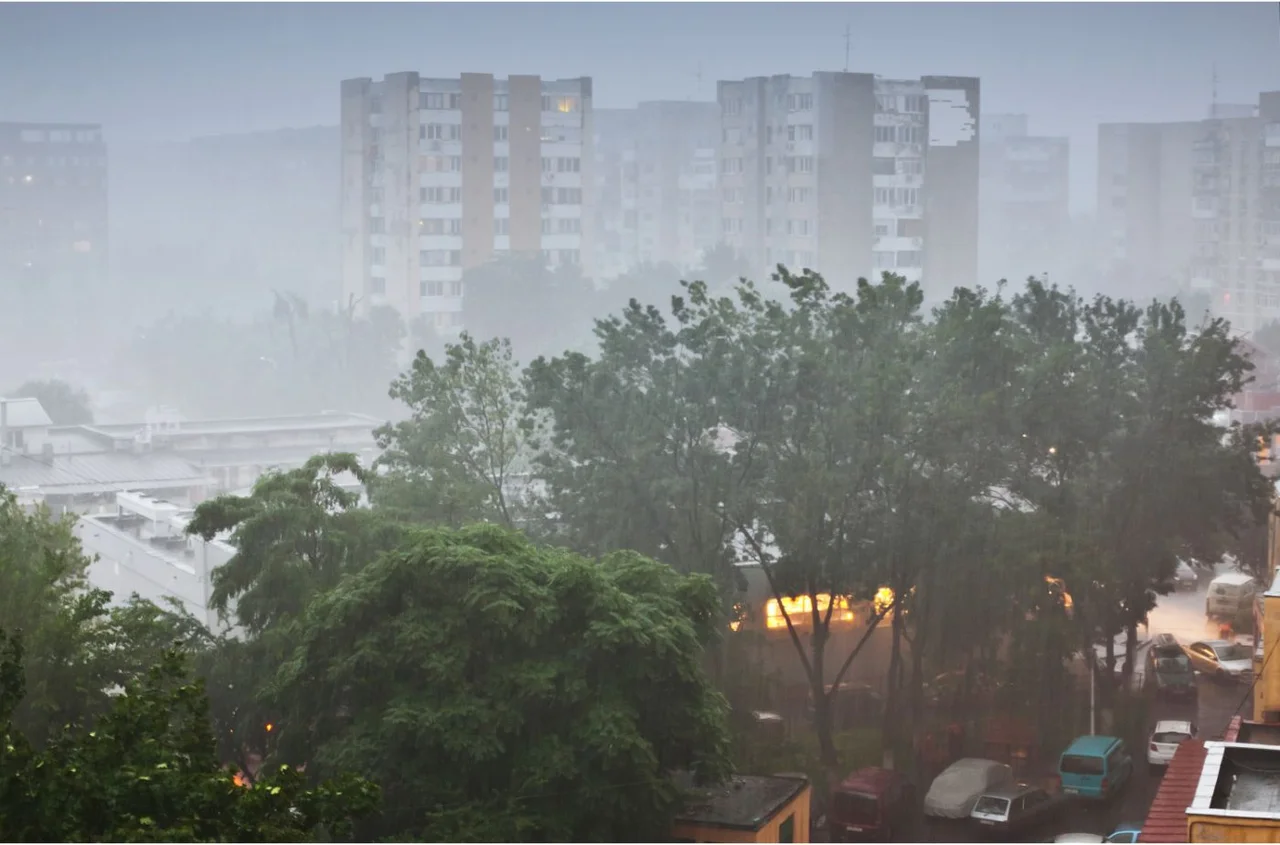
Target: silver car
[{"x": 1222, "y": 660}]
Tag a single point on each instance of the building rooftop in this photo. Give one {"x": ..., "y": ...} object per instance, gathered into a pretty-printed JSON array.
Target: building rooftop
[
  {"x": 99, "y": 472},
  {"x": 1167, "y": 818},
  {"x": 327, "y": 420},
  {"x": 745, "y": 802},
  {"x": 1239, "y": 780},
  {"x": 25, "y": 413}
]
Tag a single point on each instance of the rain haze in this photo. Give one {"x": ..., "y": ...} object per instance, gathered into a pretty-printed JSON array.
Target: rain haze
[{"x": 607, "y": 422}]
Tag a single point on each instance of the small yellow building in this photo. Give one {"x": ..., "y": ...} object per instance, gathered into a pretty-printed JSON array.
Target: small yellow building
[{"x": 748, "y": 808}]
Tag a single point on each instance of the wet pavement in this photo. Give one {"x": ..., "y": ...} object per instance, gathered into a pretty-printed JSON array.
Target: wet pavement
[{"x": 1180, "y": 614}]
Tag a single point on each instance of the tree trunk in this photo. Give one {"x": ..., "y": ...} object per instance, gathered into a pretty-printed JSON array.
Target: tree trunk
[
  {"x": 1130, "y": 653},
  {"x": 822, "y": 703},
  {"x": 891, "y": 718}
]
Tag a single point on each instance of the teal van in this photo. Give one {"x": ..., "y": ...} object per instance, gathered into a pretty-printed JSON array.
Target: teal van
[{"x": 1095, "y": 767}]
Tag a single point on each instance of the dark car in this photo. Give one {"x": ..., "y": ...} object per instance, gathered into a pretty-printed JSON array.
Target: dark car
[
  {"x": 1168, "y": 672},
  {"x": 1014, "y": 809},
  {"x": 870, "y": 805}
]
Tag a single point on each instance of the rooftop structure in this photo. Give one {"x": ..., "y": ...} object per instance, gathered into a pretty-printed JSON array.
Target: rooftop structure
[{"x": 770, "y": 808}]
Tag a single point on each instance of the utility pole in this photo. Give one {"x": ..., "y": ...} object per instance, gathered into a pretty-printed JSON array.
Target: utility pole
[{"x": 848, "y": 36}]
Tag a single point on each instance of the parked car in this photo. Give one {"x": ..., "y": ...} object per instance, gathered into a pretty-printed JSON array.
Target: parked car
[
  {"x": 1165, "y": 739},
  {"x": 1125, "y": 833},
  {"x": 870, "y": 805},
  {"x": 1014, "y": 808},
  {"x": 1168, "y": 672},
  {"x": 1222, "y": 660},
  {"x": 1185, "y": 577},
  {"x": 1095, "y": 767},
  {"x": 954, "y": 792}
]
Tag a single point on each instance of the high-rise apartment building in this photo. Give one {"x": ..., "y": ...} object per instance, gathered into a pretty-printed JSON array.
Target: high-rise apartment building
[
  {"x": 656, "y": 187},
  {"x": 1025, "y": 220},
  {"x": 53, "y": 207},
  {"x": 442, "y": 175},
  {"x": 1196, "y": 206},
  {"x": 853, "y": 175}
]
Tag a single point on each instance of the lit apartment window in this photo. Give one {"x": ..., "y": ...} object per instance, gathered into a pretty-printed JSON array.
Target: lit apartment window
[{"x": 564, "y": 105}]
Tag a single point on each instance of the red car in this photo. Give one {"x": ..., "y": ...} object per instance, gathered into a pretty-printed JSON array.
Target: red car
[{"x": 869, "y": 805}]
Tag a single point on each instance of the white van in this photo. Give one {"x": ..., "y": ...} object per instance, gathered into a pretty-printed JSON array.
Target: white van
[{"x": 1230, "y": 596}]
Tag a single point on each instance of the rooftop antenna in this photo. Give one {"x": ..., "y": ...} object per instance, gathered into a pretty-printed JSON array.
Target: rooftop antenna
[{"x": 848, "y": 35}]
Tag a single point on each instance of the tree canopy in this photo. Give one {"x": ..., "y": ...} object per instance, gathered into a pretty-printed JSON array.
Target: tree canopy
[{"x": 65, "y": 405}]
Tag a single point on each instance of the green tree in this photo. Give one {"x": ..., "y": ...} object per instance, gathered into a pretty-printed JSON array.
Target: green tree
[
  {"x": 65, "y": 405},
  {"x": 499, "y": 691},
  {"x": 146, "y": 771},
  {"x": 464, "y": 453}
]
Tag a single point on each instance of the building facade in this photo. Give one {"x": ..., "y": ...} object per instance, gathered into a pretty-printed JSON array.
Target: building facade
[
  {"x": 442, "y": 175},
  {"x": 656, "y": 196},
  {"x": 1025, "y": 225},
  {"x": 853, "y": 175}
]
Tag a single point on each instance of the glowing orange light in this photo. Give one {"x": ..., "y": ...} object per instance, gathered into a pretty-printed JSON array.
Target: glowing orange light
[
  {"x": 270, "y": 727},
  {"x": 800, "y": 609},
  {"x": 240, "y": 780},
  {"x": 883, "y": 599}
]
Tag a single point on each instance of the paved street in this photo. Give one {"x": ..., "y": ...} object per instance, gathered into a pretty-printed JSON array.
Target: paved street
[{"x": 1180, "y": 614}]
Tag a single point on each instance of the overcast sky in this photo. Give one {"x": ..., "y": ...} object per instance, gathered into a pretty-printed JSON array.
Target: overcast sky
[{"x": 166, "y": 72}]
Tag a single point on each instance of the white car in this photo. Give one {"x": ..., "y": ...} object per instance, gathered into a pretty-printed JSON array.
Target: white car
[
  {"x": 954, "y": 792},
  {"x": 1165, "y": 739}
]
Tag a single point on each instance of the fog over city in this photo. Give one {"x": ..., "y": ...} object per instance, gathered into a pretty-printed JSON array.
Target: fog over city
[{"x": 638, "y": 421}]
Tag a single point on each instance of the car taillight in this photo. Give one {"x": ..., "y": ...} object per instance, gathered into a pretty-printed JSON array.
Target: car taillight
[
  {"x": 1104, "y": 784},
  {"x": 1155, "y": 747}
]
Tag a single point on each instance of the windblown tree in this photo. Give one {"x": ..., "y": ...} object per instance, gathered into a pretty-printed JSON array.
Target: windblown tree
[
  {"x": 539, "y": 310},
  {"x": 499, "y": 691},
  {"x": 65, "y": 405},
  {"x": 146, "y": 770},
  {"x": 464, "y": 454}
]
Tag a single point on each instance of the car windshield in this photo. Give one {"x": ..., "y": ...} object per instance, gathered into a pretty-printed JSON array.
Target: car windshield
[
  {"x": 1170, "y": 737},
  {"x": 1076, "y": 764},
  {"x": 855, "y": 807},
  {"x": 1235, "y": 651},
  {"x": 992, "y": 806},
  {"x": 1173, "y": 665}
]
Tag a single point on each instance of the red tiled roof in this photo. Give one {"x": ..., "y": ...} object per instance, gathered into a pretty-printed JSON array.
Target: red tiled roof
[{"x": 1167, "y": 819}]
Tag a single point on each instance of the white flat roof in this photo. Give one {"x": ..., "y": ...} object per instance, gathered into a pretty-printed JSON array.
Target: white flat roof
[{"x": 1233, "y": 578}]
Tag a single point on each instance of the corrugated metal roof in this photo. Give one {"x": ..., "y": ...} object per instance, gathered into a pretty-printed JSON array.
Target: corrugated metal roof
[
  {"x": 25, "y": 413},
  {"x": 299, "y": 422},
  {"x": 1167, "y": 818},
  {"x": 99, "y": 472}
]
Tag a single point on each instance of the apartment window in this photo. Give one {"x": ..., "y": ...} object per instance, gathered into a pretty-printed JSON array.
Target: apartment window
[
  {"x": 440, "y": 131},
  {"x": 797, "y": 194},
  {"x": 455, "y": 289},
  {"x": 500, "y": 132},
  {"x": 910, "y": 166},
  {"x": 883, "y": 260},
  {"x": 800, "y": 132},
  {"x": 440, "y": 257},
  {"x": 431, "y": 288},
  {"x": 375, "y": 105},
  {"x": 548, "y": 196},
  {"x": 914, "y": 103},
  {"x": 432, "y": 101},
  {"x": 564, "y": 105},
  {"x": 800, "y": 164},
  {"x": 909, "y": 135},
  {"x": 883, "y": 166},
  {"x": 731, "y": 224},
  {"x": 884, "y": 134},
  {"x": 731, "y": 165},
  {"x": 379, "y": 256},
  {"x": 883, "y": 228},
  {"x": 569, "y": 225},
  {"x": 377, "y": 285},
  {"x": 501, "y": 196},
  {"x": 547, "y": 226},
  {"x": 499, "y": 102},
  {"x": 440, "y": 196},
  {"x": 732, "y": 195},
  {"x": 884, "y": 196},
  {"x": 501, "y": 164},
  {"x": 568, "y": 165},
  {"x": 376, "y": 225},
  {"x": 800, "y": 102},
  {"x": 911, "y": 258},
  {"x": 731, "y": 105},
  {"x": 502, "y": 225},
  {"x": 442, "y": 164},
  {"x": 546, "y": 165},
  {"x": 568, "y": 256},
  {"x": 569, "y": 196}
]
